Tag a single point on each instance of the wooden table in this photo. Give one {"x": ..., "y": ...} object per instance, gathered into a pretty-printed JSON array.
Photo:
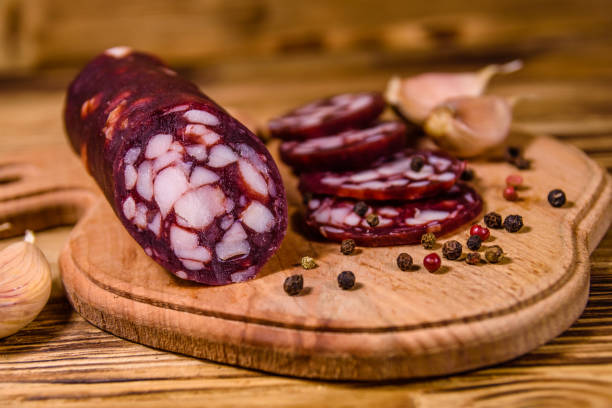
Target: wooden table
[{"x": 61, "y": 359}]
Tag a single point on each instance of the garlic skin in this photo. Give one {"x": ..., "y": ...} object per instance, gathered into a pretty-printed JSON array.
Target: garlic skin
[
  {"x": 415, "y": 97},
  {"x": 469, "y": 126},
  {"x": 25, "y": 285}
]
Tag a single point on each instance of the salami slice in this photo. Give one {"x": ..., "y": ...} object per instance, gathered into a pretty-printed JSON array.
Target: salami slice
[
  {"x": 351, "y": 149},
  {"x": 328, "y": 116},
  {"x": 391, "y": 178},
  {"x": 192, "y": 185},
  {"x": 399, "y": 223}
]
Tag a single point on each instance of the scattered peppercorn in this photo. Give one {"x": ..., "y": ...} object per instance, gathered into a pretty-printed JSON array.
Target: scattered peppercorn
[
  {"x": 482, "y": 232},
  {"x": 512, "y": 152},
  {"x": 513, "y": 223},
  {"x": 493, "y": 220},
  {"x": 473, "y": 258},
  {"x": 347, "y": 246},
  {"x": 417, "y": 163},
  {"x": 346, "y": 280},
  {"x": 474, "y": 242},
  {"x": 467, "y": 175},
  {"x": 308, "y": 263},
  {"x": 372, "y": 220},
  {"x": 556, "y": 198},
  {"x": 404, "y": 261},
  {"x": 514, "y": 180},
  {"x": 494, "y": 254},
  {"x": 510, "y": 194},
  {"x": 452, "y": 249},
  {"x": 360, "y": 208},
  {"x": 428, "y": 240},
  {"x": 432, "y": 262},
  {"x": 293, "y": 284},
  {"x": 522, "y": 163},
  {"x": 306, "y": 197}
]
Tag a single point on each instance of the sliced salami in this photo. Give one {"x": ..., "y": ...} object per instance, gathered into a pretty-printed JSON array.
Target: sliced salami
[
  {"x": 192, "y": 185},
  {"x": 392, "y": 178},
  {"x": 398, "y": 223},
  {"x": 351, "y": 149},
  {"x": 328, "y": 116}
]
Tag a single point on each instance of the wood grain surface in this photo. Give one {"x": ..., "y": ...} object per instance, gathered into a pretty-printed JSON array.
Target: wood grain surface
[{"x": 60, "y": 359}]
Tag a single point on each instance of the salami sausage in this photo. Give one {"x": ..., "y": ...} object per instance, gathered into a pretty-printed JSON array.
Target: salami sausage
[
  {"x": 349, "y": 150},
  {"x": 391, "y": 178},
  {"x": 192, "y": 185},
  {"x": 398, "y": 223},
  {"x": 328, "y": 116}
]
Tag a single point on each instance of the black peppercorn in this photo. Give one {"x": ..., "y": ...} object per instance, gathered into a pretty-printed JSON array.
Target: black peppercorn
[
  {"x": 513, "y": 223},
  {"x": 293, "y": 285},
  {"x": 346, "y": 280},
  {"x": 404, "y": 261},
  {"x": 417, "y": 163},
  {"x": 512, "y": 152},
  {"x": 360, "y": 208},
  {"x": 556, "y": 198},
  {"x": 522, "y": 163},
  {"x": 467, "y": 175},
  {"x": 473, "y": 258},
  {"x": 428, "y": 240},
  {"x": 493, "y": 220},
  {"x": 494, "y": 254},
  {"x": 372, "y": 220},
  {"x": 347, "y": 246},
  {"x": 474, "y": 242},
  {"x": 452, "y": 249}
]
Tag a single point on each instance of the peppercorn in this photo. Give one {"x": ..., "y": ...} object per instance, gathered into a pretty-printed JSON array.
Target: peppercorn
[
  {"x": 467, "y": 175},
  {"x": 514, "y": 180},
  {"x": 473, "y": 258},
  {"x": 372, "y": 220},
  {"x": 452, "y": 249},
  {"x": 432, "y": 262},
  {"x": 360, "y": 208},
  {"x": 512, "y": 152},
  {"x": 417, "y": 163},
  {"x": 346, "y": 280},
  {"x": 293, "y": 284},
  {"x": 493, "y": 220},
  {"x": 482, "y": 232},
  {"x": 428, "y": 240},
  {"x": 347, "y": 246},
  {"x": 474, "y": 242},
  {"x": 494, "y": 254},
  {"x": 510, "y": 194},
  {"x": 513, "y": 223},
  {"x": 308, "y": 263},
  {"x": 306, "y": 197},
  {"x": 404, "y": 261},
  {"x": 522, "y": 163},
  {"x": 556, "y": 198}
]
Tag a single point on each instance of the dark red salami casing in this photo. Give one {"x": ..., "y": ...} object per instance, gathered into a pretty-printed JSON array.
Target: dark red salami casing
[{"x": 192, "y": 185}]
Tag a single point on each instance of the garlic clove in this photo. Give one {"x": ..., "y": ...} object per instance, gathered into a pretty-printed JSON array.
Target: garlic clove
[
  {"x": 415, "y": 97},
  {"x": 469, "y": 126},
  {"x": 25, "y": 285}
]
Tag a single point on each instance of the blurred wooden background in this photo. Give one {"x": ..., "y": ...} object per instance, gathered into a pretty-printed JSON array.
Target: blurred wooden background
[{"x": 264, "y": 57}]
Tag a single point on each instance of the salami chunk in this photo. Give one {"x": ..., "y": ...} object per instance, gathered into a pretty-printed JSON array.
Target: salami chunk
[
  {"x": 192, "y": 185},
  {"x": 351, "y": 149},
  {"x": 328, "y": 116},
  {"x": 391, "y": 178},
  {"x": 398, "y": 223}
]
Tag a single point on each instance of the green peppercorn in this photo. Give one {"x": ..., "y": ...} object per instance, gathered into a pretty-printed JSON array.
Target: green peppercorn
[
  {"x": 404, "y": 261},
  {"x": 452, "y": 249},
  {"x": 494, "y": 254},
  {"x": 372, "y": 220},
  {"x": 360, "y": 208},
  {"x": 346, "y": 280},
  {"x": 473, "y": 258},
  {"x": 513, "y": 223},
  {"x": 556, "y": 198},
  {"x": 474, "y": 242},
  {"x": 293, "y": 284},
  {"x": 347, "y": 246},
  {"x": 493, "y": 220},
  {"x": 417, "y": 163},
  {"x": 428, "y": 240},
  {"x": 308, "y": 263}
]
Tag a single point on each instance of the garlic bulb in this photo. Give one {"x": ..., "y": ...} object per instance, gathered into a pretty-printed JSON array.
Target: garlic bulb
[
  {"x": 469, "y": 126},
  {"x": 415, "y": 97},
  {"x": 25, "y": 284}
]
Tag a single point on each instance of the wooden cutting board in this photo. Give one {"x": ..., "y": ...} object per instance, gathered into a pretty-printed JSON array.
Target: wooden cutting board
[{"x": 393, "y": 324}]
